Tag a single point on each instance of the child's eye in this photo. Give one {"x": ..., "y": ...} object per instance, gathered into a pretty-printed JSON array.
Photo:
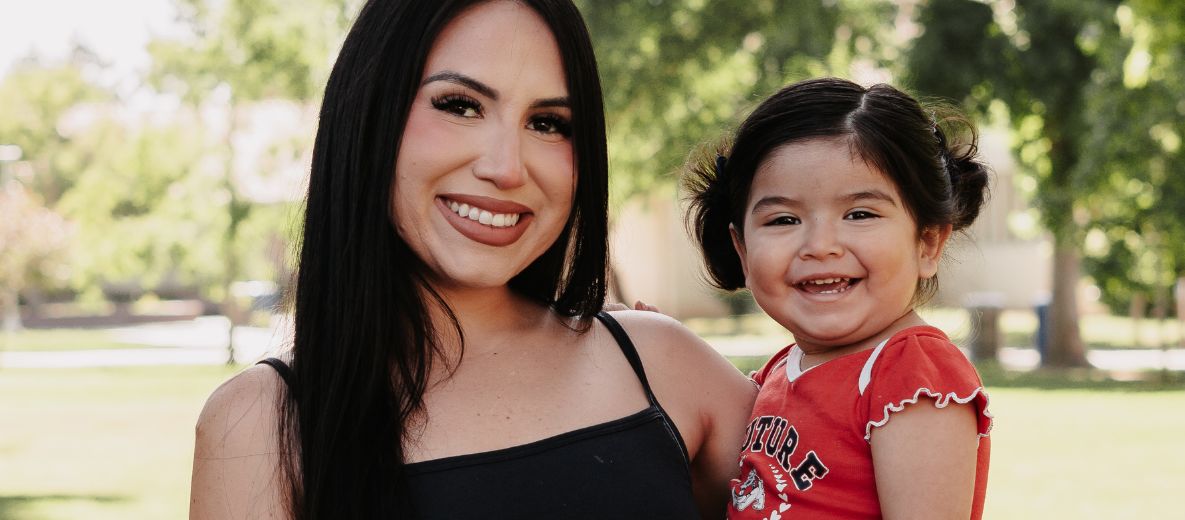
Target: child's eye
[
  {"x": 860, "y": 215},
  {"x": 550, "y": 124},
  {"x": 784, "y": 220},
  {"x": 458, "y": 105}
]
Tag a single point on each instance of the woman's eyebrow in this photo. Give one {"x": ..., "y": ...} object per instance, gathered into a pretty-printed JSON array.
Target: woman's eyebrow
[
  {"x": 488, "y": 91},
  {"x": 555, "y": 102},
  {"x": 461, "y": 79}
]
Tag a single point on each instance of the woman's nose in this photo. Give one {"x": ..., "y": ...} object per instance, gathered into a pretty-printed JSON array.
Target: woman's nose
[{"x": 501, "y": 160}]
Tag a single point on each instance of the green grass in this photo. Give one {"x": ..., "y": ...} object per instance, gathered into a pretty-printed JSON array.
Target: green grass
[
  {"x": 117, "y": 443},
  {"x": 1019, "y": 326},
  {"x": 62, "y": 339},
  {"x": 99, "y": 443}
]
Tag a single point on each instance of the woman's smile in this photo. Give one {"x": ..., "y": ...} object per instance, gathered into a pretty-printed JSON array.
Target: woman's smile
[{"x": 484, "y": 220}]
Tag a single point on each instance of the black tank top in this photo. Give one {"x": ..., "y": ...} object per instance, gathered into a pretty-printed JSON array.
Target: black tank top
[{"x": 632, "y": 467}]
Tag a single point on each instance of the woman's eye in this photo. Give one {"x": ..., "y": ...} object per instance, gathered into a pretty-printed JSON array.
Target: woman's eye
[
  {"x": 551, "y": 125},
  {"x": 461, "y": 106},
  {"x": 860, "y": 215}
]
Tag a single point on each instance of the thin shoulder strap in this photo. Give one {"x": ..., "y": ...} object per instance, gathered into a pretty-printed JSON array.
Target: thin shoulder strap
[
  {"x": 631, "y": 352},
  {"x": 282, "y": 368}
]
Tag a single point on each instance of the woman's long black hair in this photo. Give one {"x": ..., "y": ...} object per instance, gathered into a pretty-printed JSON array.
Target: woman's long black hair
[{"x": 364, "y": 342}]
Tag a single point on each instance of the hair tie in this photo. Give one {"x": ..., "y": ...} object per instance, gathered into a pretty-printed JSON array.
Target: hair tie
[
  {"x": 949, "y": 166},
  {"x": 721, "y": 162}
]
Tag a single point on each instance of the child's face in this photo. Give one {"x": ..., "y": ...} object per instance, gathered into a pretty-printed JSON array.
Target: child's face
[{"x": 829, "y": 249}]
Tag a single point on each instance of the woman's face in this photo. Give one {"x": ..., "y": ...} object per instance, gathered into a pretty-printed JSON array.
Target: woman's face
[{"x": 484, "y": 179}]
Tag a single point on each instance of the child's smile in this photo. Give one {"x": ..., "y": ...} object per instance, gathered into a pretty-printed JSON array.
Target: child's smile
[{"x": 829, "y": 249}]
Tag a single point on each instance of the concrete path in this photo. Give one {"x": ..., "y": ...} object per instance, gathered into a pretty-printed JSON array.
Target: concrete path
[
  {"x": 203, "y": 342},
  {"x": 198, "y": 342}
]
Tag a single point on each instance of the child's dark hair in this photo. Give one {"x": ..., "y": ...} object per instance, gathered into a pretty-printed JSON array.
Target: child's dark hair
[{"x": 940, "y": 180}]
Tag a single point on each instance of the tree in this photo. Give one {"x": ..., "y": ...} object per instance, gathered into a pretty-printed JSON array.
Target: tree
[
  {"x": 1042, "y": 59},
  {"x": 33, "y": 240},
  {"x": 681, "y": 72},
  {"x": 248, "y": 51},
  {"x": 38, "y": 99},
  {"x": 1136, "y": 239}
]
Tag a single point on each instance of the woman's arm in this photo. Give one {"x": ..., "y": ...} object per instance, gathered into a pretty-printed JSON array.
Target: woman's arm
[
  {"x": 235, "y": 463},
  {"x": 924, "y": 459},
  {"x": 708, "y": 398}
]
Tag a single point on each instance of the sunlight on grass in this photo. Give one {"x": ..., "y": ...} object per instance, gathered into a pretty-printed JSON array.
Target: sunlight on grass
[
  {"x": 62, "y": 339},
  {"x": 99, "y": 443}
]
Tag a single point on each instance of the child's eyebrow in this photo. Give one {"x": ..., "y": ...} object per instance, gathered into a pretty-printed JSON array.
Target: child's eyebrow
[
  {"x": 773, "y": 200},
  {"x": 870, "y": 195}
]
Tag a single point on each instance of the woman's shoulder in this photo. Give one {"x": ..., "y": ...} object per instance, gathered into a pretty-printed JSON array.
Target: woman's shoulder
[
  {"x": 683, "y": 364},
  {"x": 240, "y": 416},
  {"x": 659, "y": 335},
  {"x": 236, "y": 463}
]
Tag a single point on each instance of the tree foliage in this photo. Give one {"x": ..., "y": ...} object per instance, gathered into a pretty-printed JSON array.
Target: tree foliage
[
  {"x": 1135, "y": 244},
  {"x": 33, "y": 245},
  {"x": 1047, "y": 61},
  {"x": 681, "y": 72},
  {"x": 42, "y": 102}
]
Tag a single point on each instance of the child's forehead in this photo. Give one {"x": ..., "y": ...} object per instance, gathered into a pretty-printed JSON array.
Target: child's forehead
[{"x": 818, "y": 168}]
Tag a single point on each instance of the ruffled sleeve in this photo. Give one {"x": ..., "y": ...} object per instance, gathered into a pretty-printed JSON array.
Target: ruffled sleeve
[{"x": 916, "y": 363}]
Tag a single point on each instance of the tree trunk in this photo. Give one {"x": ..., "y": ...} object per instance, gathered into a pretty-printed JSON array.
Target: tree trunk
[
  {"x": 12, "y": 311},
  {"x": 1065, "y": 345},
  {"x": 237, "y": 208}
]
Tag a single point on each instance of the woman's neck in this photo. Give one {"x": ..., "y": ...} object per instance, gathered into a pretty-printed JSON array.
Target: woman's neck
[{"x": 486, "y": 316}]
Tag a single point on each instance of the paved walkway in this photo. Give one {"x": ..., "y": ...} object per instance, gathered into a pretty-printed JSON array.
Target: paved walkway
[{"x": 203, "y": 342}]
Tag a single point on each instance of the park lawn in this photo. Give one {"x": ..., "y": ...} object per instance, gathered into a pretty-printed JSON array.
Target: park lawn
[
  {"x": 62, "y": 339},
  {"x": 99, "y": 443},
  {"x": 117, "y": 443}
]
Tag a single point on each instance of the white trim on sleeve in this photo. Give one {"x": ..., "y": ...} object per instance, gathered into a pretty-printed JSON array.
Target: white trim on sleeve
[
  {"x": 940, "y": 401},
  {"x": 866, "y": 372}
]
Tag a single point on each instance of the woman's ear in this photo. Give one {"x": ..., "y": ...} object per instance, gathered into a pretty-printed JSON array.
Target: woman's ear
[
  {"x": 738, "y": 243},
  {"x": 930, "y": 247}
]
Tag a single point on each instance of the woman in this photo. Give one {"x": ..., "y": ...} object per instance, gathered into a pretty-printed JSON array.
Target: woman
[{"x": 446, "y": 360}]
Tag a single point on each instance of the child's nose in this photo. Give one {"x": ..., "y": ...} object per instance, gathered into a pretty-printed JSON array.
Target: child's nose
[{"x": 821, "y": 241}]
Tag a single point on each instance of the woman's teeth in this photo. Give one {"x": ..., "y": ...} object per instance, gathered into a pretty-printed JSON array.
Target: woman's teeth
[{"x": 498, "y": 220}]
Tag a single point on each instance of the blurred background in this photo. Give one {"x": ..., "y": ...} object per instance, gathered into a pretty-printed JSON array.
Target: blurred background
[{"x": 153, "y": 155}]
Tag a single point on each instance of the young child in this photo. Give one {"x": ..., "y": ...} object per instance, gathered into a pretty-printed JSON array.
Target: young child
[{"x": 833, "y": 206}]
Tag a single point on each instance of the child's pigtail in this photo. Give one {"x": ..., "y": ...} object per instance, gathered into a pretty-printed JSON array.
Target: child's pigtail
[
  {"x": 709, "y": 215},
  {"x": 967, "y": 173}
]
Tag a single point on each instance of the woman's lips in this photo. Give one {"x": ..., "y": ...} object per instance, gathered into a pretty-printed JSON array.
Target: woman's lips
[{"x": 487, "y": 221}]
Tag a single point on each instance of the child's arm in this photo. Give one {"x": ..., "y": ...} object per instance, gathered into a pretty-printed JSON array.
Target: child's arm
[{"x": 925, "y": 459}]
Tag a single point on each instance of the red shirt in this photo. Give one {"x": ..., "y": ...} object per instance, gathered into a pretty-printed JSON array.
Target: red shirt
[{"x": 807, "y": 451}]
